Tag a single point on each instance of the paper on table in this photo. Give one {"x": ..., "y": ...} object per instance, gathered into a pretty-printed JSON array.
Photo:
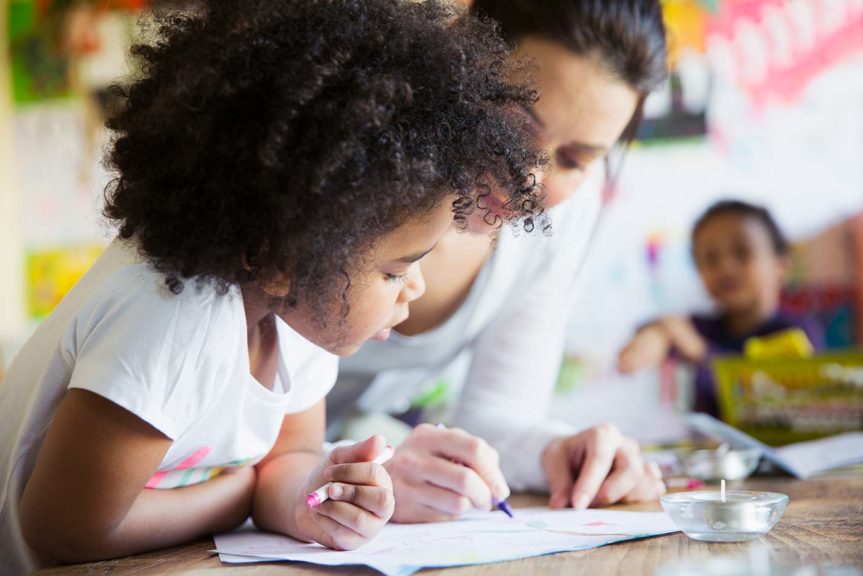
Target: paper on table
[
  {"x": 802, "y": 459},
  {"x": 402, "y": 549},
  {"x": 808, "y": 458}
]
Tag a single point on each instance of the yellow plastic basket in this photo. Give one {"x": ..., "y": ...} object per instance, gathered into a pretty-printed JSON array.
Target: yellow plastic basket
[{"x": 779, "y": 401}]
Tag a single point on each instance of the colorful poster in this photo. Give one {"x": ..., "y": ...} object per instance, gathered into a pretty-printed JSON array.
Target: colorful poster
[
  {"x": 40, "y": 68},
  {"x": 52, "y": 273}
]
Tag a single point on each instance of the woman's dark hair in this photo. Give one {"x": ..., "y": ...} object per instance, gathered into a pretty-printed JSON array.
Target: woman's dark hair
[
  {"x": 273, "y": 138},
  {"x": 626, "y": 36},
  {"x": 739, "y": 208}
]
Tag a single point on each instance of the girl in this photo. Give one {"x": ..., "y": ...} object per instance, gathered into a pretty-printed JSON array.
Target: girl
[
  {"x": 743, "y": 259},
  {"x": 508, "y": 307},
  {"x": 282, "y": 166}
]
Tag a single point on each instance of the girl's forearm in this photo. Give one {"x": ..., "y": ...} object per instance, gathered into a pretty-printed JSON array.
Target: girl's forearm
[
  {"x": 279, "y": 493},
  {"x": 163, "y": 518}
]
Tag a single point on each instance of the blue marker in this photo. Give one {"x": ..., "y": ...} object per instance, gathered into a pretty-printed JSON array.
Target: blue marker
[{"x": 503, "y": 505}]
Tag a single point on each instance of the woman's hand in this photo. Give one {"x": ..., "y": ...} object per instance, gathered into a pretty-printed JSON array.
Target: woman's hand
[
  {"x": 597, "y": 467},
  {"x": 440, "y": 473},
  {"x": 360, "y": 499}
]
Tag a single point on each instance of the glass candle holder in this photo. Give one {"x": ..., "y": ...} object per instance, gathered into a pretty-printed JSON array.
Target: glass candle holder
[{"x": 732, "y": 516}]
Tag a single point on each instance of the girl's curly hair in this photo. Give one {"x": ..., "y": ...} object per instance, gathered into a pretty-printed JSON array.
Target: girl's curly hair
[{"x": 273, "y": 138}]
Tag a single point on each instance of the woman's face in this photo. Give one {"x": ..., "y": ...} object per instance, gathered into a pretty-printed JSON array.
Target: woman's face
[{"x": 580, "y": 116}]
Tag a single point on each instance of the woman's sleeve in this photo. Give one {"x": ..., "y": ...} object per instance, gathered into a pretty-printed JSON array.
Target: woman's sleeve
[{"x": 517, "y": 358}]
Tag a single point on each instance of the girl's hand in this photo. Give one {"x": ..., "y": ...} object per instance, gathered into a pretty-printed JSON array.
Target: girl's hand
[
  {"x": 440, "y": 473},
  {"x": 360, "y": 498},
  {"x": 684, "y": 338},
  {"x": 598, "y": 467}
]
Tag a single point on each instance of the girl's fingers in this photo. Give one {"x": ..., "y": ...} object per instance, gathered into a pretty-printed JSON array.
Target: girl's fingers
[
  {"x": 359, "y": 473},
  {"x": 351, "y": 517},
  {"x": 333, "y": 534},
  {"x": 364, "y": 451},
  {"x": 378, "y": 501}
]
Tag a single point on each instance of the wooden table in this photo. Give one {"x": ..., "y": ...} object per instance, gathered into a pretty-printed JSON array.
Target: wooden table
[{"x": 823, "y": 524}]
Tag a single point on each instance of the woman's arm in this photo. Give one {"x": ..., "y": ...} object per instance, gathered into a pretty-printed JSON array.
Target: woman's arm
[
  {"x": 86, "y": 500},
  {"x": 506, "y": 400},
  {"x": 512, "y": 379}
]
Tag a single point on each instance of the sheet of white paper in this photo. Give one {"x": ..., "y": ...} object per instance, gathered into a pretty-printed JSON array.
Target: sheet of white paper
[
  {"x": 802, "y": 459},
  {"x": 808, "y": 458},
  {"x": 402, "y": 549}
]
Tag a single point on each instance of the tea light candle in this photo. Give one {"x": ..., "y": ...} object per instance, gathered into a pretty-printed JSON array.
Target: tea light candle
[{"x": 725, "y": 516}]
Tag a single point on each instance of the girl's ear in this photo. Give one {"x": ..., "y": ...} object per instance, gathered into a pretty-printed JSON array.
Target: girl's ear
[{"x": 278, "y": 288}]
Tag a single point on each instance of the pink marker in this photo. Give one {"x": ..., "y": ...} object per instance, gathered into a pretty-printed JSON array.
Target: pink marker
[
  {"x": 684, "y": 483},
  {"x": 321, "y": 495}
]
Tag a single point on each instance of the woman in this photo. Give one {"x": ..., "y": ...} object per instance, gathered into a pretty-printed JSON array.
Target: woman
[{"x": 504, "y": 304}]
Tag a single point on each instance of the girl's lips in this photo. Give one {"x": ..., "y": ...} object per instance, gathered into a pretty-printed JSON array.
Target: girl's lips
[
  {"x": 729, "y": 285},
  {"x": 382, "y": 334}
]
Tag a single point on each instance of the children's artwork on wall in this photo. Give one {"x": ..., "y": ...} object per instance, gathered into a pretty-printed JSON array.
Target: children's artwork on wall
[
  {"x": 785, "y": 111},
  {"x": 64, "y": 54},
  {"x": 56, "y": 44},
  {"x": 679, "y": 109},
  {"x": 773, "y": 49},
  {"x": 52, "y": 273},
  {"x": 40, "y": 69},
  {"x": 59, "y": 205},
  {"x": 832, "y": 306},
  {"x": 825, "y": 281}
]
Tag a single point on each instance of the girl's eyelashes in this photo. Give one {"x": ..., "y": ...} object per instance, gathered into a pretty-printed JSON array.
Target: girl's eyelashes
[
  {"x": 567, "y": 161},
  {"x": 534, "y": 119},
  {"x": 396, "y": 277}
]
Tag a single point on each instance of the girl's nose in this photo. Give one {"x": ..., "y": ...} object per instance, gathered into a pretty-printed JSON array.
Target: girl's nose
[{"x": 415, "y": 285}]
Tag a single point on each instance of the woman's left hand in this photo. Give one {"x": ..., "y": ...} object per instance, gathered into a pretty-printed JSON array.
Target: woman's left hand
[{"x": 597, "y": 467}]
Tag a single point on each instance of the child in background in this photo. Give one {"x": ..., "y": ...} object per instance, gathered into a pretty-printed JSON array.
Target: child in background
[
  {"x": 743, "y": 260},
  {"x": 281, "y": 168}
]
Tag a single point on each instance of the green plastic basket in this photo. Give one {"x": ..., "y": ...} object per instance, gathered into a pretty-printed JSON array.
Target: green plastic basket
[{"x": 794, "y": 399}]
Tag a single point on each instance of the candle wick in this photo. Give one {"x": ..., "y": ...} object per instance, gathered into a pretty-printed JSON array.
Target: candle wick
[{"x": 722, "y": 484}]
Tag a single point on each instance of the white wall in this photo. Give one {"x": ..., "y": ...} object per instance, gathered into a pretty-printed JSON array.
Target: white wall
[{"x": 11, "y": 283}]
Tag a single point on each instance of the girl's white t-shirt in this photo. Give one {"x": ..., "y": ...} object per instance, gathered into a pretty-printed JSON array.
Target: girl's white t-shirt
[{"x": 179, "y": 362}]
